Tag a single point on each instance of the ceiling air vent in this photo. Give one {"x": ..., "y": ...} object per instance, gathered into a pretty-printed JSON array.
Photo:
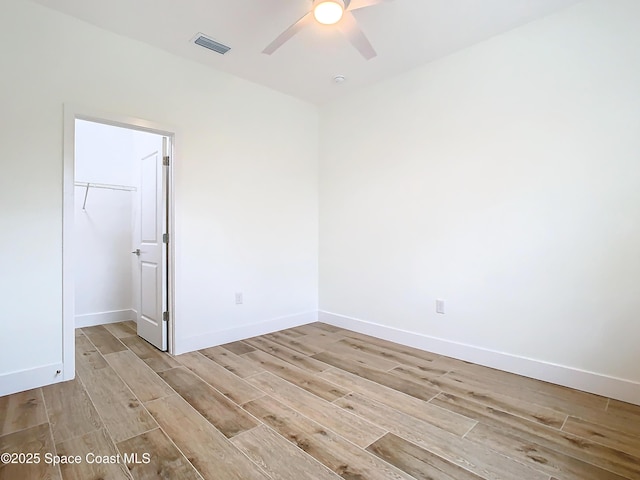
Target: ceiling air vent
[{"x": 211, "y": 44}]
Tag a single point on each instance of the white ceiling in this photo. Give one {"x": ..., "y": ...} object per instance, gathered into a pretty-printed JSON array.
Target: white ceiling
[{"x": 405, "y": 34}]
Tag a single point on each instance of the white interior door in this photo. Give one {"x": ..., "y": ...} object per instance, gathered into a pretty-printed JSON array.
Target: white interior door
[{"x": 152, "y": 253}]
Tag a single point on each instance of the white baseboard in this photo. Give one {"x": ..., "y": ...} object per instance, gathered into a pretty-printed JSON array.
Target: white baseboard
[
  {"x": 212, "y": 339},
  {"x": 32, "y": 378},
  {"x": 605, "y": 385},
  {"x": 102, "y": 318}
]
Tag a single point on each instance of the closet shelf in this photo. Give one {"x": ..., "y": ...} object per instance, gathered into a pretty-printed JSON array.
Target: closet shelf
[{"x": 107, "y": 186}]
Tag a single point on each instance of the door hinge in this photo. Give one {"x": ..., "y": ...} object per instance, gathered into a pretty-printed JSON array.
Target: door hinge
[
  {"x": 165, "y": 160},
  {"x": 165, "y": 238},
  {"x": 165, "y": 316}
]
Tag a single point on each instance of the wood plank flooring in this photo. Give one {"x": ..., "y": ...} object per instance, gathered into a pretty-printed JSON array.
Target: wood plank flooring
[{"x": 311, "y": 402}]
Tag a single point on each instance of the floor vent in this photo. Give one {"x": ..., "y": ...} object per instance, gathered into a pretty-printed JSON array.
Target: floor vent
[{"x": 211, "y": 44}]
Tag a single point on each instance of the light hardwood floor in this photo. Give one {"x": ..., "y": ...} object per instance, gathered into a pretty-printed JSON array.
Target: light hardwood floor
[{"x": 312, "y": 402}]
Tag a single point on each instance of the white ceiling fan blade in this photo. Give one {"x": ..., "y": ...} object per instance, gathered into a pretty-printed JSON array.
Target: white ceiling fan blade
[
  {"x": 357, "y": 4},
  {"x": 288, "y": 33},
  {"x": 349, "y": 27}
]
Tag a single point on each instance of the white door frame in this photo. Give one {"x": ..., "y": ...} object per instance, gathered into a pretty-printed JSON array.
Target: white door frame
[{"x": 71, "y": 114}]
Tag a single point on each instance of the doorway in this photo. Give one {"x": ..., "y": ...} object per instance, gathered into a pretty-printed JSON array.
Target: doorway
[{"x": 117, "y": 242}]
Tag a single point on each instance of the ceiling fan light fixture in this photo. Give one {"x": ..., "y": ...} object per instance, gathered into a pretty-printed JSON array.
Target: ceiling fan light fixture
[{"x": 328, "y": 12}]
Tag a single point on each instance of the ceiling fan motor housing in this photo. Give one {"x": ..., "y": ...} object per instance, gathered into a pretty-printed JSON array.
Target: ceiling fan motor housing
[{"x": 344, "y": 3}]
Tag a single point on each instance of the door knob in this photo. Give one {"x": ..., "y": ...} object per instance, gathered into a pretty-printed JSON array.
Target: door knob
[{"x": 136, "y": 251}]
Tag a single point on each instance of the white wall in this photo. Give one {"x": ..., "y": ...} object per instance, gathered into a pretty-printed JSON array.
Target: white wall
[
  {"x": 245, "y": 183},
  {"x": 504, "y": 179}
]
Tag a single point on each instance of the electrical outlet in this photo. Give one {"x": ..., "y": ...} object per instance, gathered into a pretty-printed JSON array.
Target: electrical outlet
[
  {"x": 238, "y": 298},
  {"x": 440, "y": 306}
]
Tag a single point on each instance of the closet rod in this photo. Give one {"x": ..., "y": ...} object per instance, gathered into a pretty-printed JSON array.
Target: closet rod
[
  {"x": 108, "y": 186},
  {"x": 105, "y": 185}
]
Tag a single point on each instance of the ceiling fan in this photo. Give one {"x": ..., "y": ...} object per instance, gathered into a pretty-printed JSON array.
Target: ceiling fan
[{"x": 332, "y": 12}]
